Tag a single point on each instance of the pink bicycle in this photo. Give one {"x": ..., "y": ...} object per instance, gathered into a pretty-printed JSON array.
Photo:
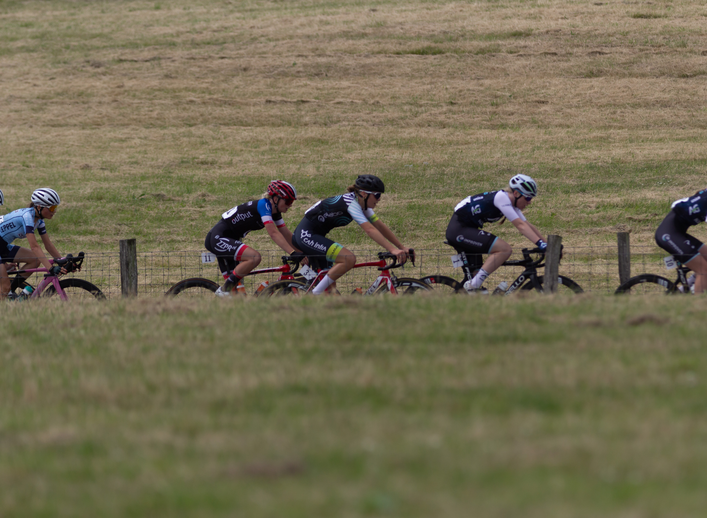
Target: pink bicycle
[{"x": 50, "y": 285}]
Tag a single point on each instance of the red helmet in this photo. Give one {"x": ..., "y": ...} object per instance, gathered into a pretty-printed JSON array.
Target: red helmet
[{"x": 282, "y": 189}]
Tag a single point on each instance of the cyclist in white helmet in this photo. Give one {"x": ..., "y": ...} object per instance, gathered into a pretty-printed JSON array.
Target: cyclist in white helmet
[
  {"x": 464, "y": 231},
  {"x": 22, "y": 223}
]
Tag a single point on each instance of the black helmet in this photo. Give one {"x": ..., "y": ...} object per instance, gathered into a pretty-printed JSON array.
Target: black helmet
[{"x": 369, "y": 182}]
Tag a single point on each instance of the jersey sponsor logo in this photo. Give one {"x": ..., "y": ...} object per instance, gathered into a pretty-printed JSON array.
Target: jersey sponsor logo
[
  {"x": 224, "y": 246},
  {"x": 478, "y": 198},
  {"x": 671, "y": 243},
  {"x": 241, "y": 217},
  {"x": 325, "y": 215},
  {"x": 305, "y": 235},
  {"x": 462, "y": 239},
  {"x": 694, "y": 209},
  {"x": 475, "y": 210},
  {"x": 8, "y": 226}
]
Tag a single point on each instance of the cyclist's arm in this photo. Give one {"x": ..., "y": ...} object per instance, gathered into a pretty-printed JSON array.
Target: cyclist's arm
[
  {"x": 379, "y": 238},
  {"x": 387, "y": 233},
  {"x": 288, "y": 236},
  {"x": 49, "y": 246},
  {"x": 277, "y": 236},
  {"x": 37, "y": 250},
  {"x": 528, "y": 230}
]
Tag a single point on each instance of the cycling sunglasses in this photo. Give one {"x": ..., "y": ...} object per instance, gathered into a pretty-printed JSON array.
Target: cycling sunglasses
[
  {"x": 528, "y": 198},
  {"x": 376, "y": 195},
  {"x": 52, "y": 208}
]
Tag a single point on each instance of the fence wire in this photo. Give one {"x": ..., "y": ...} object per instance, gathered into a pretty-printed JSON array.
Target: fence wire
[{"x": 595, "y": 269}]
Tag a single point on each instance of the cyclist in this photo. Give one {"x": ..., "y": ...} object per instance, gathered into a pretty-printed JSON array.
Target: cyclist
[
  {"x": 338, "y": 211},
  {"x": 672, "y": 235},
  {"x": 236, "y": 259},
  {"x": 464, "y": 230},
  {"x": 22, "y": 223},
  {"x": 2, "y": 198}
]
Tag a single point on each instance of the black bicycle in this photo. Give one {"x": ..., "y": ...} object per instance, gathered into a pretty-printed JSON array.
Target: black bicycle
[
  {"x": 647, "y": 283},
  {"x": 528, "y": 280}
]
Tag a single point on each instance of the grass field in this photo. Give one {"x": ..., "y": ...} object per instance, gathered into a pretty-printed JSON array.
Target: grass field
[{"x": 151, "y": 118}]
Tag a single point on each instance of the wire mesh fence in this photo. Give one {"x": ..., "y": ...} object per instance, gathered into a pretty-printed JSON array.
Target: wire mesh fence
[{"x": 595, "y": 269}]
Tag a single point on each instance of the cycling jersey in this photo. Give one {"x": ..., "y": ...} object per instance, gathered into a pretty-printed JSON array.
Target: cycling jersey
[
  {"x": 692, "y": 210},
  {"x": 242, "y": 219},
  {"x": 337, "y": 211},
  {"x": 19, "y": 223},
  {"x": 487, "y": 207}
]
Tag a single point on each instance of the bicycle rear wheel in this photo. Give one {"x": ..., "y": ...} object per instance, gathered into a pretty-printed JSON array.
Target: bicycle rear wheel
[
  {"x": 284, "y": 288},
  {"x": 195, "y": 287},
  {"x": 646, "y": 284},
  {"x": 75, "y": 289},
  {"x": 565, "y": 285},
  {"x": 443, "y": 284}
]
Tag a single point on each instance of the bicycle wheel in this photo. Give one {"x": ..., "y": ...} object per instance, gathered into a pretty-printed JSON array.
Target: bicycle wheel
[
  {"x": 195, "y": 287},
  {"x": 564, "y": 285},
  {"x": 646, "y": 283},
  {"x": 443, "y": 284},
  {"x": 283, "y": 288},
  {"x": 75, "y": 289},
  {"x": 405, "y": 286}
]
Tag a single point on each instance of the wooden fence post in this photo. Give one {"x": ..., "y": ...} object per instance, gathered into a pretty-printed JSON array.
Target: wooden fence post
[
  {"x": 128, "y": 267},
  {"x": 552, "y": 264},
  {"x": 624, "y": 250}
]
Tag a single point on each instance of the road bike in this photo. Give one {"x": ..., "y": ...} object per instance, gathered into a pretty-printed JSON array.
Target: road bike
[
  {"x": 51, "y": 286},
  {"x": 651, "y": 283},
  {"x": 526, "y": 281},
  {"x": 196, "y": 287},
  {"x": 386, "y": 282}
]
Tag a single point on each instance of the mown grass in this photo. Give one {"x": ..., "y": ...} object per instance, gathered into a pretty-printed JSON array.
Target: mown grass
[{"x": 538, "y": 406}]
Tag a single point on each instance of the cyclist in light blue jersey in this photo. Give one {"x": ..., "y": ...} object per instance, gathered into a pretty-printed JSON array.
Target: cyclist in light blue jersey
[{"x": 21, "y": 224}]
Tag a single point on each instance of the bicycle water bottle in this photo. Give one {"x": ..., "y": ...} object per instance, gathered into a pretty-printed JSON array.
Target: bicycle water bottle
[{"x": 26, "y": 292}]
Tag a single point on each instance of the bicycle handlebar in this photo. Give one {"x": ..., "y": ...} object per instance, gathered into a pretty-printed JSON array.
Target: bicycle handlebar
[
  {"x": 293, "y": 261},
  {"x": 394, "y": 259},
  {"x": 527, "y": 260}
]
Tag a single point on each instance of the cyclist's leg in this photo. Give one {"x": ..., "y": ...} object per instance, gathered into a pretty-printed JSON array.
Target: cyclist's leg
[
  {"x": 5, "y": 282},
  {"x": 672, "y": 237},
  {"x": 343, "y": 259},
  {"x": 698, "y": 264},
  {"x": 248, "y": 259},
  {"x": 229, "y": 252},
  {"x": 26, "y": 257},
  {"x": 476, "y": 241},
  {"x": 320, "y": 249}
]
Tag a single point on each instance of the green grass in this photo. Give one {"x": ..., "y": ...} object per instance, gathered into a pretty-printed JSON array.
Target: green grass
[{"x": 361, "y": 407}]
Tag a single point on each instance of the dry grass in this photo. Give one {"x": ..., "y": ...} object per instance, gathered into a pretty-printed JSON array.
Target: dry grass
[{"x": 174, "y": 105}]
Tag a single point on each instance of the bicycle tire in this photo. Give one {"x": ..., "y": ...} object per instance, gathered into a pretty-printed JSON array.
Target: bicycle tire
[
  {"x": 565, "y": 285},
  {"x": 443, "y": 284},
  {"x": 75, "y": 289},
  {"x": 645, "y": 284},
  {"x": 292, "y": 287},
  {"x": 405, "y": 286},
  {"x": 194, "y": 287}
]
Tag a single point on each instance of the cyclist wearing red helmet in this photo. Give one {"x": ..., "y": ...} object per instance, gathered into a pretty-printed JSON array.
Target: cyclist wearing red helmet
[
  {"x": 356, "y": 205},
  {"x": 236, "y": 259}
]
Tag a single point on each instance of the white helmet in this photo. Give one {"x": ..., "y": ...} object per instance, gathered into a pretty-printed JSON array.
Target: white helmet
[
  {"x": 524, "y": 184},
  {"x": 45, "y": 197},
  {"x": 2, "y": 198}
]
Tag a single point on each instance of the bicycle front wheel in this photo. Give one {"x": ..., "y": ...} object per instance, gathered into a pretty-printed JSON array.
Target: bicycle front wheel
[
  {"x": 443, "y": 284},
  {"x": 283, "y": 288},
  {"x": 405, "y": 286},
  {"x": 193, "y": 288},
  {"x": 564, "y": 285},
  {"x": 646, "y": 284},
  {"x": 75, "y": 289}
]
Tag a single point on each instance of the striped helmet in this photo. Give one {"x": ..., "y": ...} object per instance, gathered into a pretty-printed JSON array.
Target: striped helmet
[
  {"x": 45, "y": 197},
  {"x": 524, "y": 184},
  {"x": 284, "y": 190}
]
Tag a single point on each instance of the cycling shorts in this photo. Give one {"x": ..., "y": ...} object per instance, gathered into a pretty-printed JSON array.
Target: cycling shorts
[
  {"x": 7, "y": 252},
  {"x": 471, "y": 240},
  {"x": 320, "y": 250},
  {"x": 227, "y": 251},
  {"x": 672, "y": 237}
]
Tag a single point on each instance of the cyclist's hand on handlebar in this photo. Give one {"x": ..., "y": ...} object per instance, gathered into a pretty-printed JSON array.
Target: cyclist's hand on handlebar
[
  {"x": 400, "y": 255},
  {"x": 56, "y": 270}
]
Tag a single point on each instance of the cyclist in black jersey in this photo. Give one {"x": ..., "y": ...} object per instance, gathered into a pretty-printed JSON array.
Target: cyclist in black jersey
[
  {"x": 464, "y": 230},
  {"x": 672, "y": 235},
  {"x": 338, "y": 211},
  {"x": 235, "y": 259}
]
